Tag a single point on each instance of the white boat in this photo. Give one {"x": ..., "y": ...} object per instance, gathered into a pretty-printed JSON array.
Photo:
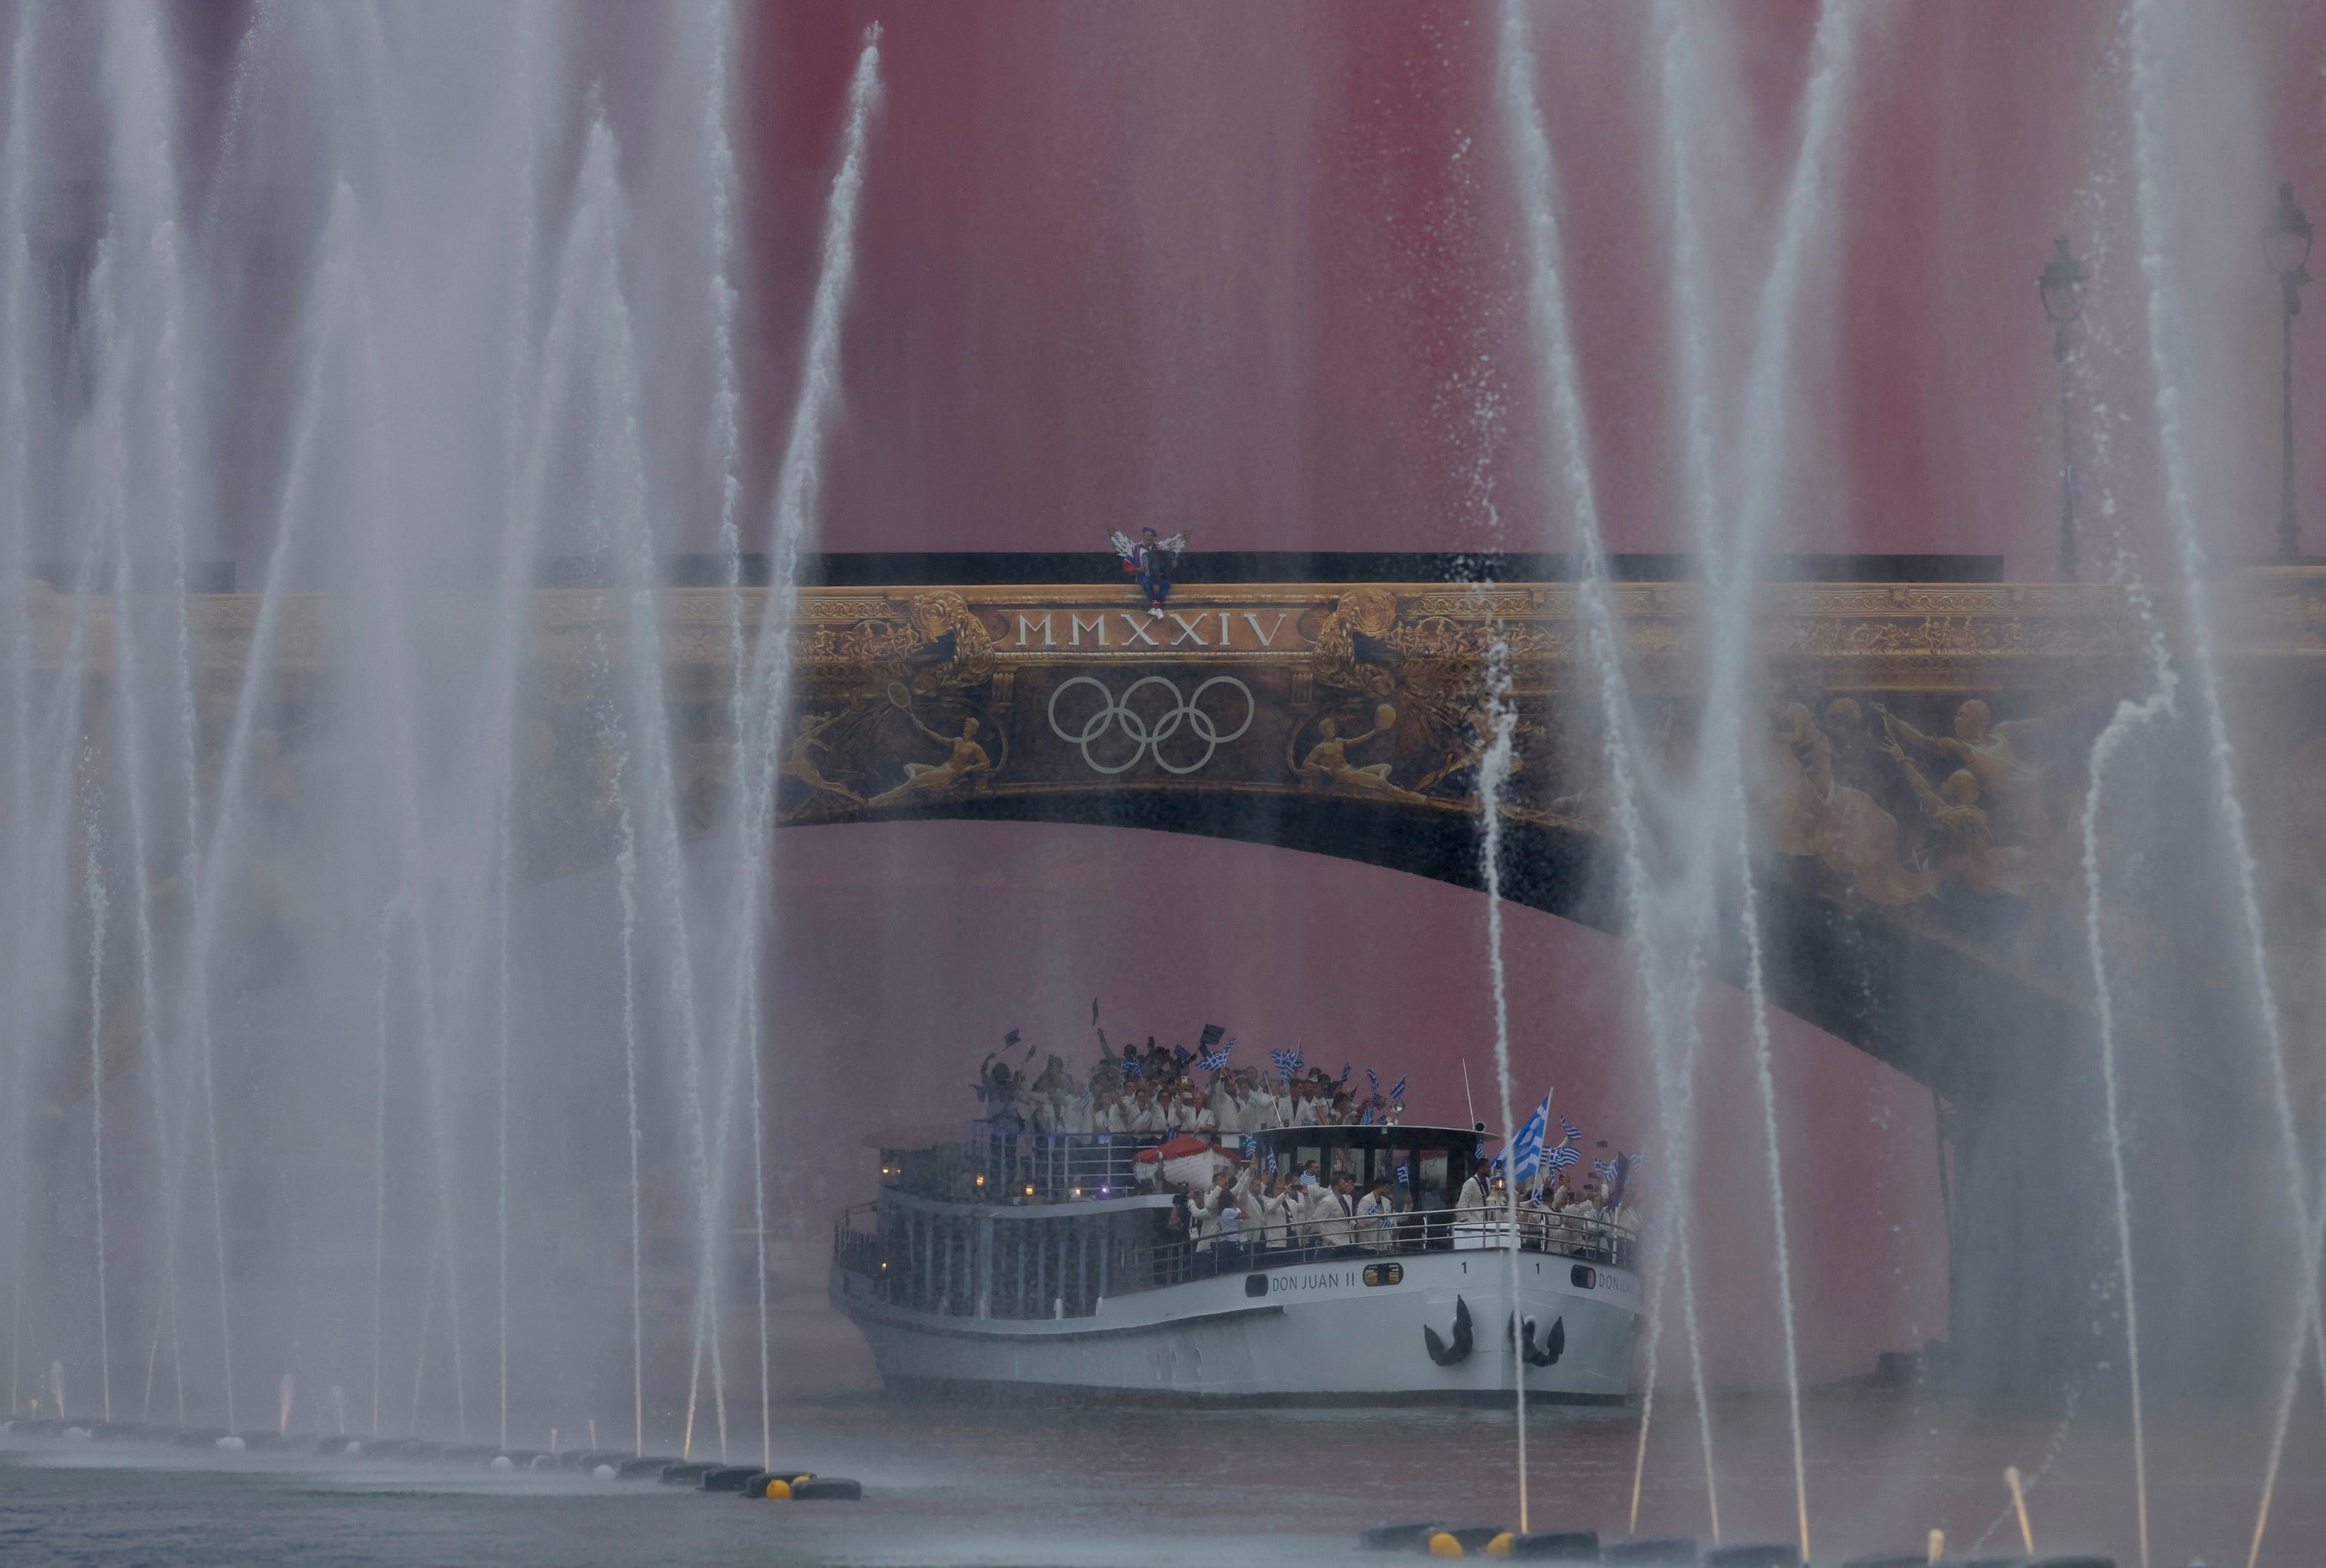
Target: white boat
[{"x": 1038, "y": 1265}]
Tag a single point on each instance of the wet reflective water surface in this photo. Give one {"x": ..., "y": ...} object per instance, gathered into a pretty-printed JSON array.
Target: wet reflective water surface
[{"x": 960, "y": 1484}]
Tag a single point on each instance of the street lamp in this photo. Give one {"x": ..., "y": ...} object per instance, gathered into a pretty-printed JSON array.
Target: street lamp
[
  {"x": 2061, "y": 286},
  {"x": 2288, "y": 241}
]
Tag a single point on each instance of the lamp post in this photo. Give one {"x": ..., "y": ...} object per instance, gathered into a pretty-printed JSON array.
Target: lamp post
[
  {"x": 2061, "y": 288},
  {"x": 2288, "y": 239}
]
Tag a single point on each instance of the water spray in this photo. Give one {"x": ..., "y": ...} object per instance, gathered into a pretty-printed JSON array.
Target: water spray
[
  {"x": 1493, "y": 774},
  {"x": 2019, "y": 1505}
]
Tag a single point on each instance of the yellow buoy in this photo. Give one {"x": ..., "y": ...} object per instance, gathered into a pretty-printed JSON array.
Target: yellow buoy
[
  {"x": 1499, "y": 1546},
  {"x": 779, "y": 1490},
  {"x": 1443, "y": 1545}
]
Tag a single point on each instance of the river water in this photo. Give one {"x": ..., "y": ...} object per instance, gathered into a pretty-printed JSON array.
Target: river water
[{"x": 972, "y": 1485}]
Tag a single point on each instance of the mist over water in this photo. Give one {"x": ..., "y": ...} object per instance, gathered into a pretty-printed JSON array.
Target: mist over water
[
  {"x": 401, "y": 1018},
  {"x": 341, "y": 1066}
]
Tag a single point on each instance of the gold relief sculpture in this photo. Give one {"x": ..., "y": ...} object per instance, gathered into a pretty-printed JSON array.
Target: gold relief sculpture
[
  {"x": 966, "y": 765},
  {"x": 1994, "y": 825},
  {"x": 1327, "y": 767},
  {"x": 807, "y": 739},
  {"x": 937, "y": 616}
]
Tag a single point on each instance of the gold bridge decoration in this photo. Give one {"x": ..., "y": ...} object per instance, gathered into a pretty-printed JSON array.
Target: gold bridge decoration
[{"x": 1916, "y": 758}]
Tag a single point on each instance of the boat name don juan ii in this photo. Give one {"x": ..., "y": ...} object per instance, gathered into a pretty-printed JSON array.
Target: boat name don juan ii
[{"x": 1065, "y": 1265}]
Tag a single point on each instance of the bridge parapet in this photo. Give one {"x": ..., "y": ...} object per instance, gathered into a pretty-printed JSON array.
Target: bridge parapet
[{"x": 1917, "y": 762}]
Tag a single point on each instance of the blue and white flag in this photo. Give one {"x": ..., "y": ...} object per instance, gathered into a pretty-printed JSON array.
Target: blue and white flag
[
  {"x": 1374, "y": 1078},
  {"x": 1345, "y": 1067},
  {"x": 1559, "y": 1159},
  {"x": 1572, "y": 1130},
  {"x": 1214, "y": 1060},
  {"x": 1131, "y": 1071},
  {"x": 1366, "y": 1120},
  {"x": 1606, "y": 1169},
  {"x": 1526, "y": 1149},
  {"x": 1396, "y": 1089}
]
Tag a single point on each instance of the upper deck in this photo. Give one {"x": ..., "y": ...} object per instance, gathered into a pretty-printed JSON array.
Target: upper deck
[{"x": 1009, "y": 1224}]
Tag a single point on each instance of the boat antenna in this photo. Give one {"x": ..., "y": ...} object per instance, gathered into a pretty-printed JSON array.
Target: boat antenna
[{"x": 1466, "y": 1100}]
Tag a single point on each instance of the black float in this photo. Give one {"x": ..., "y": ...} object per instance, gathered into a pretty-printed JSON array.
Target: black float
[
  {"x": 1409, "y": 1537},
  {"x": 1754, "y": 1555}
]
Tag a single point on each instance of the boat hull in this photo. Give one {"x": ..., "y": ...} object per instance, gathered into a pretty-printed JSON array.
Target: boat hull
[{"x": 1309, "y": 1333}]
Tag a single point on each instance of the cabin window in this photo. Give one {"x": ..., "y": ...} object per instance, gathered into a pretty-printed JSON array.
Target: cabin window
[
  {"x": 1583, "y": 1277},
  {"x": 1431, "y": 1193},
  {"x": 1255, "y": 1284}
]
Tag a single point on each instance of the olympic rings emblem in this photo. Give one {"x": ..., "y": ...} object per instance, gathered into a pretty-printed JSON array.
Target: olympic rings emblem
[{"x": 1148, "y": 734}]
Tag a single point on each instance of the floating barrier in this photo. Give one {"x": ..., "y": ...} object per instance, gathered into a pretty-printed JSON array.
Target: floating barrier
[
  {"x": 1409, "y": 1537},
  {"x": 1755, "y": 1555},
  {"x": 1462, "y": 1540},
  {"x": 1890, "y": 1559},
  {"x": 829, "y": 1489},
  {"x": 1652, "y": 1551},
  {"x": 792, "y": 1483},
  {"x": 1558, "y": 1546},
  {"x": 757, "y": 1484},
  {"x": 588, "y": 1460},
  {"x": 2073, "y": 1560}
]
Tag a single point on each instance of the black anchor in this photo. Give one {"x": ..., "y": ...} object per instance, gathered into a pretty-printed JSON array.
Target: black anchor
[
  {"x": 1444, "y": 1354},
  {"x": 1553, "y": 1345}
]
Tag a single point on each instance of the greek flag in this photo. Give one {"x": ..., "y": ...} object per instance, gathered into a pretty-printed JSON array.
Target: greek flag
[
  {"x": 1396, "y": 1089},
  {"x": 1572, "y": 1130},
  {"x": 1374, "y": 1078},
  {"x": 1345, "y": 1071},
  {"x": 1131, "y": 1071},
  {"x": 1606, "y": 1169},
  {"x": 1559, "y": 1159},
  {"x": 1526, "y": 1149},
  {"x": 1366, "y": 1120},
  {"x": 1286, "y": 1063},
  {"x": 1214, "y": 1060}
]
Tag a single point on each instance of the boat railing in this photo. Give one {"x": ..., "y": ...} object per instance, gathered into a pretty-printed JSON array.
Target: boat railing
[
  {"x": 1180, "y": 1258},
  {"x": 856, "y": 1239},
  {"x": 960, "y": 1263},
  {"x": 1010, "y": 1164}
]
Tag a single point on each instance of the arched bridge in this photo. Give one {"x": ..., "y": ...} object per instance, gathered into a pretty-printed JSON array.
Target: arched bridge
[
  {"x": 1916, "y": 794},
  {"x": 1920, "y": 902}
]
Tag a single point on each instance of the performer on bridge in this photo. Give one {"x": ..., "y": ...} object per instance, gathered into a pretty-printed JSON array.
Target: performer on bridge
[{"x": 1150, "y": 563}]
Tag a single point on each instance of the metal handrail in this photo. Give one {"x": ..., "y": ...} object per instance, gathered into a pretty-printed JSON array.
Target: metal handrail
[
  {"x": 1404, "y": 1234},
  {"x": 1056, "y": 1167},
  {"x": 1133, "y": 1265}
]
